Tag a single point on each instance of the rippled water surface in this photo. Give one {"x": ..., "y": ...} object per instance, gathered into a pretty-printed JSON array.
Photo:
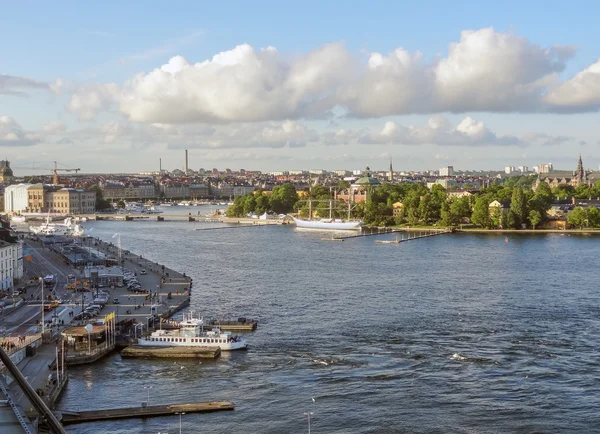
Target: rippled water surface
[{"x": 455, "y": 333}]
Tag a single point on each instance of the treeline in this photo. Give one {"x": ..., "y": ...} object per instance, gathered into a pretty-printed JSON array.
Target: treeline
[
  {"x": 415, "y": 204},
  {"x": 282, "y": 200}
]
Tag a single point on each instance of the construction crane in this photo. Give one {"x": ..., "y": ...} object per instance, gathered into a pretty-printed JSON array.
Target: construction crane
[{"x": 55, "y": 172}]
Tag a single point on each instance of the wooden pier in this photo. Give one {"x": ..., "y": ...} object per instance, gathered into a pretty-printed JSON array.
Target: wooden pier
[
  {"x": 72, "y": 417},
  {"x": 171, "y": 352},
  {"x": 425, "y": 233}
]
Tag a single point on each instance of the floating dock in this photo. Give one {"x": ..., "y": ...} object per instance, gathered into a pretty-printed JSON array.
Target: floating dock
[
  {"x": 71, "y": 417},
  {"x": 171, "y": 352},
  {"x": 246, "y": 326}
]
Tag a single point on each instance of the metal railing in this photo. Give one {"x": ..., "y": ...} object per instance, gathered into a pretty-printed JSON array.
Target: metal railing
[
  {"x": 12, "y": 344},
  {"x": 15, "y": 409}
]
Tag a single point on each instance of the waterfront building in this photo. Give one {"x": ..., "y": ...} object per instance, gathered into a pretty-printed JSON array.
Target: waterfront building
[
  {"x": 175, "y": 190},
  {"x": 35, "y": 198},
  {"x": 16, "y": 198},
  {"x": 240, "y": 190},
  {"x": 70, "y": 201},
  {"x": 499, "y": 212},
  {"x": 11, "y": 260},
  {"x": 199, "y": 191}
]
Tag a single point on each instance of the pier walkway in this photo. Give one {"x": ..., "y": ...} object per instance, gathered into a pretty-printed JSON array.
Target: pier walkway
[
  {"x": 71, "y": 417},
  {"x": 405, "y": 234}
]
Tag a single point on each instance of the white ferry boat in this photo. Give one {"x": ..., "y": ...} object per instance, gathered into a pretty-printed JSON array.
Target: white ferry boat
[
  {"x": 50, "y": 229},
  {"x": 191, "y": 334}
]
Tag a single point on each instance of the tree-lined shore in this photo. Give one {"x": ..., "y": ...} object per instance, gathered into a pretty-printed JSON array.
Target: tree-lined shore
[{"x": 512, "y": 203}]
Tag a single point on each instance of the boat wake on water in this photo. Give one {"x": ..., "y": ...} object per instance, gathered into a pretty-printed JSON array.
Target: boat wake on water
[{"x": 463, "y": 358}]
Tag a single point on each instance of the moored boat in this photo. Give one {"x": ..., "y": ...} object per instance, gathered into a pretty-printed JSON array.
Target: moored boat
[
  {"x": 331, "y": 224},
  {"x": 191, "y": 334}
]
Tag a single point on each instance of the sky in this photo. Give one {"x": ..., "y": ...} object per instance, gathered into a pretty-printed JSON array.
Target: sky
[{"x": 264, "y": 85}]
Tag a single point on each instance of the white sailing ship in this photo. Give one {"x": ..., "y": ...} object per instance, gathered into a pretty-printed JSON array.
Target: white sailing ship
[
  {"x": 329, "y": 224},
  {"x": 191, "y": 334}
]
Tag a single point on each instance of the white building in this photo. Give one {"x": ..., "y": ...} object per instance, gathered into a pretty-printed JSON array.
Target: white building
[
  {"x": 509, "y": 169},
  {"x": 16, "y": 197},
  {"x": 523, "y": 169},
  {"x": 11, "y": 264},
  {"x": 544, "y": 168},
  {"x": 447, "y": 171}
]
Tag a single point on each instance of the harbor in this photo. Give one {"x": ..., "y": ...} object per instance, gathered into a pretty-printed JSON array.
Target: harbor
[{"x": 99, "y": 298}]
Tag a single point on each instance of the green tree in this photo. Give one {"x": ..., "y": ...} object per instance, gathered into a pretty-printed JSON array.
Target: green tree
[
  {"x": 577, "y": 217},
  {"x": 460, "y": 209},
  {"x": 518, "y": 207},
  {"x": 582, "y": 191},
  {"x": 446, "y": 217},
  {"x": 249, "y": 204},
  {"x": 595, "y": 190},
  {"x": 543, "y": 195},
  {"x": 427, "y": 208},
  {"x": 283, "y": 198},
  {"x": 101, "y": 203},
  {"x": 262, "y": 204},
  {"x": 563, "y": 191},
  {"x": 593, "y": 217},
  {"x": 121, "y": 204},
  {"x": 535, "y": 217},
  {"x": 481, "y": 212}
]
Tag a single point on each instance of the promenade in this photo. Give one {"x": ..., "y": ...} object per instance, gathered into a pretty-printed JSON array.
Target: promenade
[{"x": 168, "y": 290}]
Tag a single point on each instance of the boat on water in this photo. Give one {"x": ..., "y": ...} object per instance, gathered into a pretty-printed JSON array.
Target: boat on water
[
  {"x": 165, "y": 204},
  {"x": 184, "y": 203},
  {"x": 50, "y": 229},
  {"x": 18, "y": 219},
  {"x": 190, "y": 333},
  {"x": 328, "y": 224}
]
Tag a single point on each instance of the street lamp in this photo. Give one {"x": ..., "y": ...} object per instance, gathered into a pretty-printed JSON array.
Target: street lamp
[
  {"x": 308, "y": 415},
  {"x": 148, "y": 398},
  {"x": 180, "y": 414},
  {"x": 43, "y": 316}
]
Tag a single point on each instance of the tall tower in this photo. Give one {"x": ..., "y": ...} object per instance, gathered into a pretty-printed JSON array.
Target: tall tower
[
  {"x": 580, "y": 175},
  {"x": 186, "y": 162},
  {"x": 391, "y": 174}
]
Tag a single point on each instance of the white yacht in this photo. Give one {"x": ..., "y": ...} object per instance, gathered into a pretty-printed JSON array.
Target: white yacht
[
  {"x": 18, "y": 219},
  {"x": 49, "y": 229},
  {"x": 191, "y": 334}
]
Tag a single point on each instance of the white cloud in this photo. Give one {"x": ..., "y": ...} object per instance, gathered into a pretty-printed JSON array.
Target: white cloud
[
  {"x": 88, "y": 100},
  {"x": 438, "y": 131},
  {"x": 578, "y": 93},
  {"x": 237, "y": 85},
  {"x": 12, "y": 134},
  {"x": 485, "y": 70},
  {"x": 54, "y": 127}
]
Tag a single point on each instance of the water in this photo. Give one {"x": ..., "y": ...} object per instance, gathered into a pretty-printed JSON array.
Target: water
[{"x": 455, "y": 333}]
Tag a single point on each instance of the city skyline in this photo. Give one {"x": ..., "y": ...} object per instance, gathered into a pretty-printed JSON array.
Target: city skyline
[{"x": 316, "y": 86}]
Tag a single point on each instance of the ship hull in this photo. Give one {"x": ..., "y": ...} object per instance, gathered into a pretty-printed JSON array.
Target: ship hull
[{"x": 328, "y": 226}]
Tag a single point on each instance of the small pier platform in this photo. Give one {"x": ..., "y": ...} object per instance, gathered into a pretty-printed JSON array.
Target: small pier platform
[
  {"x": 244, "y": 326},
  {"x": 171, "y": 352},
  {"x": 72, "y": 417}
]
